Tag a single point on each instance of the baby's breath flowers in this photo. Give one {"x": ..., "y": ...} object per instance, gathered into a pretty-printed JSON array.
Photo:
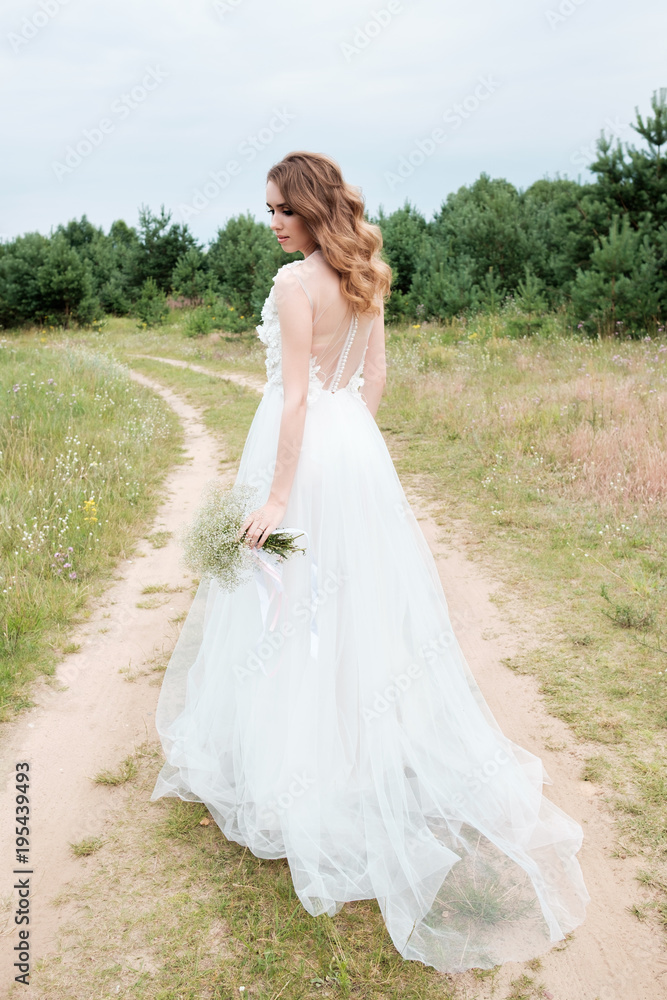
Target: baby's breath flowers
[{"x": 211, "y": 543}]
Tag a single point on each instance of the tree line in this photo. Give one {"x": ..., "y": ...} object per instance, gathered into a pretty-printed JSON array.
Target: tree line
[{"x": 596, "y": 250}]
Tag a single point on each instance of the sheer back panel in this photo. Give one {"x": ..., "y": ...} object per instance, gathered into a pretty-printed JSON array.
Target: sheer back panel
[{"x": 340, "y": 337}]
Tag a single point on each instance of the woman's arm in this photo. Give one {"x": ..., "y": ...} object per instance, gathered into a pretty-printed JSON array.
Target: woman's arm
[
  {"x": 375, "y": 365},
  {"x": 296, "y": 326}
]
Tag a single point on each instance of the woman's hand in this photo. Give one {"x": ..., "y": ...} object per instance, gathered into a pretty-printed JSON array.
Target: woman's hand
[{"x": 261, "y": 523}]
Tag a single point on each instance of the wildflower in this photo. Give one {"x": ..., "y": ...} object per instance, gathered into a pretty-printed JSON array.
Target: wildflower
[
  {"x": 90, "y": 510},
  {"x": 72, "y": 576}
]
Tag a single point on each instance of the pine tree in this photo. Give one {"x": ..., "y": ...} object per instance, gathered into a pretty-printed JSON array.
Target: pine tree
[
  {"x": 160, "y": 246},
  {"x": 151, "y": 306},
  {"x": 654, "y": 130},
  {"x": 488, "y": 293},
  {"x": 190, "y": 277},
  {"x": 442, "y": 286},
  {"x": 243, "y": 259},
  {"x": 403, "y": 247},
  {"x": 632, "y": 181},
  {"x": 603, "y": 295},
  {"x": 66, "y": 285},
  {"x": 21, "y": 297}
]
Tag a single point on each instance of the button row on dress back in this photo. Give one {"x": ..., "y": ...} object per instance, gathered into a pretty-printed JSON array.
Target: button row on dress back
[{"x": 343, "y": 357}]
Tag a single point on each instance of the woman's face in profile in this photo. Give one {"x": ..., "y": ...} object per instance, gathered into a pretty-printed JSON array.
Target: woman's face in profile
[{"x": 290, "y": 229}]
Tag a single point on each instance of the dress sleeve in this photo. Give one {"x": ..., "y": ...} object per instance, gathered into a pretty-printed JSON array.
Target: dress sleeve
[{"x": 296, "y": 333}]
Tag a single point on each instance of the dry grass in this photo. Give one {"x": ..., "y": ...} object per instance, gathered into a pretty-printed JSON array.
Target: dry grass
[
  {"x": 83, "y": 848},
  {"x": 125, "y": 772},
  {"x": 159, "y": 539}
]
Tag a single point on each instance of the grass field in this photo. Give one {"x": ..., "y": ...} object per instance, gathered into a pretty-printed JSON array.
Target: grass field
[
  {"x": 80, "y": 477},
  {"x": 552, "y": 451}
]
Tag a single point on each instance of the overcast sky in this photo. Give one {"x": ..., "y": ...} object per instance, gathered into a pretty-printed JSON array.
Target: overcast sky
[{"x": 108, "y": 106}]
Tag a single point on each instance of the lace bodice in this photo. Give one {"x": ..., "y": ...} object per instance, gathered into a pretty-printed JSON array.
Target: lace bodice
[{"x": 270, "y": 335}]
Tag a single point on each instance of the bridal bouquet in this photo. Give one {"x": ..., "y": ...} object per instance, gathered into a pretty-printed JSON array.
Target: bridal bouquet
[{"x": 211, "y": 544}]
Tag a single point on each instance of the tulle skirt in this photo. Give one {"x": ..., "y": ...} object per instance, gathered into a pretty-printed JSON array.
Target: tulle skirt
[{"x": 324, "y": 713}]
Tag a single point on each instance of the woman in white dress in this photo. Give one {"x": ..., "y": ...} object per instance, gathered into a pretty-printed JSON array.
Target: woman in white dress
[{"x": 323, "y": 711}]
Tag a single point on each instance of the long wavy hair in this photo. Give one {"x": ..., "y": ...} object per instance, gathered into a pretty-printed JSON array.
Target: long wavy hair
[{"x": 333, "y": 211}]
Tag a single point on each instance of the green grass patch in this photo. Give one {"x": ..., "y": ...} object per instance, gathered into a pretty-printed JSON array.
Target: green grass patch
[
  {"x": 83, "y": 453},
  {"x": 87, "y": 846},
  {"x": 219, "y": 350},
  {"x": 159, "y": 539},
  {"x": 126, "y": 771},
  {"x": 160, "y": 588}
]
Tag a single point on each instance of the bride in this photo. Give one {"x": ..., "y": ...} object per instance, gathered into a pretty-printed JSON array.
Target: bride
[{"x": 323, "y": 710}]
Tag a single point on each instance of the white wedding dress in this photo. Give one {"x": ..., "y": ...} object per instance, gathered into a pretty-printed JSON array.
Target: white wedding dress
[{"x": 324, "y": 712}]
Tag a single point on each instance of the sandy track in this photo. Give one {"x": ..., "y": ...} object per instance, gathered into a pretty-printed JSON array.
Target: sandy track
[
  {"x": 249, "y": 381},
  {"x": 96, "y": 718}
]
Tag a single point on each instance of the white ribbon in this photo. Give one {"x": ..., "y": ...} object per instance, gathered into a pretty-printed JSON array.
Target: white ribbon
[{"x": 268, "y": 578}]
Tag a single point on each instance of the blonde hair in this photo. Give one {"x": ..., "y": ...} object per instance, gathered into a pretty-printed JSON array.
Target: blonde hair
[{"x": 333, "y": 210}]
